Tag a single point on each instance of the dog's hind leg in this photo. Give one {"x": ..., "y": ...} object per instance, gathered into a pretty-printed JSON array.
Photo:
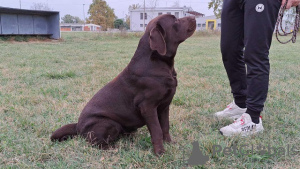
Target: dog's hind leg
[
  {"x": 65, "y": 132},
  {"x": 103, "y": 133}
]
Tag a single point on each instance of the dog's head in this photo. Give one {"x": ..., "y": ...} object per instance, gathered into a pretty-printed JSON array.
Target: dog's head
[{"x": 166, "y": 32}]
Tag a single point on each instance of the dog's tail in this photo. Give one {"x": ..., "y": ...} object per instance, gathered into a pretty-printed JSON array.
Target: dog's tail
[{"x": 65, "y": 132}]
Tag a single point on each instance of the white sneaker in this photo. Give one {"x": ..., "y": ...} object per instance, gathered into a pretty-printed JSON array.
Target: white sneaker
[
  {"x": 232, "y": 111},
  {"x": 243, "y": 126}
]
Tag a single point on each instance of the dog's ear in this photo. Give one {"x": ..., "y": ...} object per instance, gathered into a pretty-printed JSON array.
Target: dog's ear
[{"x": 157, "y": 40}]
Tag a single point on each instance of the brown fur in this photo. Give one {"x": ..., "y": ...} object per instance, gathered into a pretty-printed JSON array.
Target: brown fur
[{"x": 141, "y": 94}]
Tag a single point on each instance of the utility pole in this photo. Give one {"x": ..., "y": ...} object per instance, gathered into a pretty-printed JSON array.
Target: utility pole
[
  {"x": 144, "y": 14},
  {"x": 20, "y": 4},
  {"x": 83, "y": 17}
]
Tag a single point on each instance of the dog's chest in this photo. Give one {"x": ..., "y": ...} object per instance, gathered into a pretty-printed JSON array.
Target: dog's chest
[
  {"x": 170, "y": 82},
  {"x": 170, "y": 88}
]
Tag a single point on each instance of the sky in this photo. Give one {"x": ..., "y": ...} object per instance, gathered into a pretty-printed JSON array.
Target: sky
[{"x": 76, "y": 7}]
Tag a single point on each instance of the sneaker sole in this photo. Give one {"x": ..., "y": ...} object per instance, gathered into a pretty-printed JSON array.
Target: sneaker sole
[{"x": 243, "y": 135}]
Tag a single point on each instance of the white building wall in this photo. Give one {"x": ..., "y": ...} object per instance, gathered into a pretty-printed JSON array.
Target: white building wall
[{"x": 137, "y": 24}]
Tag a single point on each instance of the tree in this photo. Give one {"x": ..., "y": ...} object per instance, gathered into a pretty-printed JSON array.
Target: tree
[
  {"x": 216, "y": 5},
  {"x": 176, "y": 4},
  {"x": 119, "y": 24},
  {"x": 131, "y": 7},
  {"x": 101, "y": 14},
  {"x": 40, "y": 6},
  {"x": 127, "y": 22},
  {"x": 134, "y": 6},
  {"x": 126, "y": 25},
  {"x": 71, "y": 19},
  {"x": 78, "y": 20},
  {"x": 152, "y": 3}
]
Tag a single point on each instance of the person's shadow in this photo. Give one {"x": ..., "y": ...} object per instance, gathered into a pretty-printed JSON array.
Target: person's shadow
[{"x": 197, "y": 157}]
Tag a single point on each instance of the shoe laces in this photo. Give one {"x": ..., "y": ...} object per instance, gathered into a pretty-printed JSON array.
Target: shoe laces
[
  {"x": 229, "y": 107},
  {"x": 239, "y": 121}
]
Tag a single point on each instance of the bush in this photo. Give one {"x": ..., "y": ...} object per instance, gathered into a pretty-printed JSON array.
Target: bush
[
  {"x": 21, "y": 38},
  {"x": 5, "y": 38}
]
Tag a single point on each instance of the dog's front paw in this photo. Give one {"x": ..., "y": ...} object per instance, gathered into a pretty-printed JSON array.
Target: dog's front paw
[{"x": 159, "y": 150}]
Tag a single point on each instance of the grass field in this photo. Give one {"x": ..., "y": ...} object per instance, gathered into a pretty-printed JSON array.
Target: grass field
[{"x": 44, "y": 85}]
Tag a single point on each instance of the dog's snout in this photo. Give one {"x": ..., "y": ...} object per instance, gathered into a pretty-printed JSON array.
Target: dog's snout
[{"x": 192, "y": 23}]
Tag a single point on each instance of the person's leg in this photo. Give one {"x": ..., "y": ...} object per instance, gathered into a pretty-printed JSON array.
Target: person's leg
[
  {"x": 260, "y": 18},
  {"x": 232, "y": 45},
  {"x": 259, "y": 22}
]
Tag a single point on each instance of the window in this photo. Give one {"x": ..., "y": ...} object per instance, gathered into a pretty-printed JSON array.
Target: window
[
  {"x": 141, "y": 16},
  {"x": 199, "y": 25},
  {"x": 141, "y": 25},
  {"x": 145, "y": 25},
  {"x": 168, "y": 12},
  {"x": 203, "y": 25},
  {"x": 177, "y": 14},
  {"x": 219, "y": 25},
  {"x": 159, "y": 13}
]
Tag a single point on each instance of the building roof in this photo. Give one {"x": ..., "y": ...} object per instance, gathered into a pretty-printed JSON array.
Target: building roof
[
  {"x": 210, "y": 17},
  {"x": 195, "y": 13},
  {"x": 25, "y": 11}
]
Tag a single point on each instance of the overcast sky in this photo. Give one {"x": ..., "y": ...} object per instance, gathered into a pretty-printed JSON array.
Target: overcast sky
[{"x": 75, "y": 7}]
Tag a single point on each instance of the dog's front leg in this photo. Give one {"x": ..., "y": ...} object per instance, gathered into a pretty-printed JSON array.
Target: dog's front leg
[
  {"x": 164, "y": 123},
  {"x": 149, "y": 114}
]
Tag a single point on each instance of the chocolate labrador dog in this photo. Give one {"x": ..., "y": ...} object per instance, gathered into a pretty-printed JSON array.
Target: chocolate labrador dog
[{"x": 141, "y": 94}]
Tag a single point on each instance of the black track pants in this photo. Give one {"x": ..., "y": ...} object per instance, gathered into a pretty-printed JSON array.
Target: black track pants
[{"x": 246, "y": 35}]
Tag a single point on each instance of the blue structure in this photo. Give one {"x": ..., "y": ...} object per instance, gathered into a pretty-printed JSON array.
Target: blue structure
[{"x": 29, "y": 22}]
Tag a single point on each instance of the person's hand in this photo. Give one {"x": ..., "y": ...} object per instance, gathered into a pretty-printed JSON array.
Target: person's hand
[{"x": 290, "y": 3}]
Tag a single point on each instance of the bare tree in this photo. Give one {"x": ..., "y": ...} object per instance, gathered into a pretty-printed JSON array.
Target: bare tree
[
  {"x": 134, "y": 6},
  {"x": 41, "y": 6},
  {"x": 176, "y": 4},
  {"x": 152, "y": 3}
]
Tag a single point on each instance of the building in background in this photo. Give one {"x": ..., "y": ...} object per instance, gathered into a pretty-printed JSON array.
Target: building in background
[
  {"x": 208, "y": 23},
  {"x": 79, "y": 27},
  {"x": 29, "y": 22},
  {"x": 137, "y": 16}
]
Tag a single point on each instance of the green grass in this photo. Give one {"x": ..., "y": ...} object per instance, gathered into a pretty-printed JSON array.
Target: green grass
[{"x": 44, "y": 85}]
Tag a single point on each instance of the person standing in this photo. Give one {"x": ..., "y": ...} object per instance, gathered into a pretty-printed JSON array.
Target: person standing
[{"x": 246, "y": 36}]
